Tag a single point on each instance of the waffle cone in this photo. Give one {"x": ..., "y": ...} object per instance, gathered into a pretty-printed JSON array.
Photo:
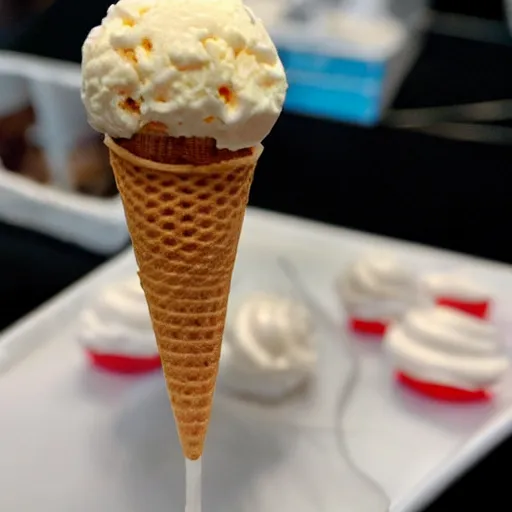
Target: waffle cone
[{"x": 185, "y": 215}]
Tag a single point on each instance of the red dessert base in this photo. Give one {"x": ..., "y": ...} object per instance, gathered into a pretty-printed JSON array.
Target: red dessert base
[
  {"x": 124, "y": 364},
  {"x": 368, "y": 327},
  {"x": 441, "y": 392},
  {"x": 478, "y": 309}
]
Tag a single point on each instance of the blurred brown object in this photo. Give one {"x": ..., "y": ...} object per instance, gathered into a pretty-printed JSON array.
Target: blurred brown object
[
  {"x": 15, "y": 10},
  {"x": 34, "y": 165},
  {"x": 13, "y": 128},
  {"x": 90, "y": 169}
]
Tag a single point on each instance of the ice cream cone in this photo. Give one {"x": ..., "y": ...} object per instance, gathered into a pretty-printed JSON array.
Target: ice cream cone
[
  {"x": 185, "y": 100},
  {"x": 185, "y": 202}
]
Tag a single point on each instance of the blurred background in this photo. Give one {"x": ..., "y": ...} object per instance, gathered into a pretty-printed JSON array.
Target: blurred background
[{"x": 398, "y": 122}]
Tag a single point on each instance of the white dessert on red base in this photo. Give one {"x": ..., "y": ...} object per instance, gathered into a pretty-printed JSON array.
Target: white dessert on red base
[
  {"x": 446, "y": 353},
  {"x": 376, "y": 290},
  {"x": 456, "y": 290},
  {"x": 116, "y": 329},
  {"x": 268, "y": 349}
]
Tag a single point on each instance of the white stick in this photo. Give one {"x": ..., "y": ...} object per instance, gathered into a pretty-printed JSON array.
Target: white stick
[{"x": 193, "y": 474}]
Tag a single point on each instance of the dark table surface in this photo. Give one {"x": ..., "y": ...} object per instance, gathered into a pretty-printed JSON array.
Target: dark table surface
[{"x": 407, "y": 185}]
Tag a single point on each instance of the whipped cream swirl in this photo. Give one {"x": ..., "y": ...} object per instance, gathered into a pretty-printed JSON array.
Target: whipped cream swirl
[
  {"x": 268, "y": 347},
  {"x": 377, "y": 286},
  {"x": 446, "y": 346},
  {"x": 118, "y": 322},
  {"x": 454, "y": 285}
]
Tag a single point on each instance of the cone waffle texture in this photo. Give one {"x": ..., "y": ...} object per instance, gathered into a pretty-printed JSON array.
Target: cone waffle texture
[{"x": 185, "y": 222}]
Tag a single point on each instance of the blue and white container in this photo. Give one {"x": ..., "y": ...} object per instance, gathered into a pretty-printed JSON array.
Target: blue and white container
[{"x": 346, "y": 60}]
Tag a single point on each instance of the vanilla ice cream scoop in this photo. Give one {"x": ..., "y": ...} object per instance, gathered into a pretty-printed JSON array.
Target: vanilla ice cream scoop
[
  {"x": 268, "y": 348},
  {"x": 200, "y": 68}
]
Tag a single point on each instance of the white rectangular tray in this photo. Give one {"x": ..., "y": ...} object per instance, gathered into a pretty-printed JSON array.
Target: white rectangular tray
[
  {"x": 53, "y": 89},
  {"x": 75, "y": 439}
]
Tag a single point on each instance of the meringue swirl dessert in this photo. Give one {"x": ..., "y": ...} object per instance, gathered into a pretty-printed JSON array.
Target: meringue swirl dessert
[
  {"x": 375, "y": 290},
  {"x": 458, "y": 355},
  {"x": 268, "y": 349},
  {"x": 455, "y": 290},
  {"x": 116, "y": 329}
]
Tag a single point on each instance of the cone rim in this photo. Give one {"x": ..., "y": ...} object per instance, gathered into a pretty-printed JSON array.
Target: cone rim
[{"x": 138, "y": 161}]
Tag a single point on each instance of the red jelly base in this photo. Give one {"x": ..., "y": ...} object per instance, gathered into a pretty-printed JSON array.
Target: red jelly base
[
  {"x": 124, "y": 364},
  {"x": 444, "y": 393},
  {"x": 368, "y": 327},
  {"x": 478, "y": 309}
]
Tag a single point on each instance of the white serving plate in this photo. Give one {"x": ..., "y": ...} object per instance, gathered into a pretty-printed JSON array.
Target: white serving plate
[
  {"x": 53, "y": 89},
  {"x": 76, "y": 439}
]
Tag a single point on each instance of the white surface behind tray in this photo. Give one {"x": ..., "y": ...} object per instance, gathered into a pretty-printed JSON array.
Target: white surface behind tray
[{"x": 75, "y": 439}]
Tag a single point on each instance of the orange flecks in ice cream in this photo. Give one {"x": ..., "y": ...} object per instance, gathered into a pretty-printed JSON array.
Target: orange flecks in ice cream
[
  {"x": 240, "y": 50},
  {"x": 161, "y": 94},
  {"x": 205, "y": 40},
  {"x": 209, "y": 119},
  {"x": 268, "y": 81},
  {"x": 227, "y": 95},
  {"x": 246, "y": 51},
  {"x": 131, "y": 105},
  {"x": 129, "y": 54},
  {"x": 194, "y": 66},
  {"x": 147, "y": 44},
  {"x": 154, "y": 127}
]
